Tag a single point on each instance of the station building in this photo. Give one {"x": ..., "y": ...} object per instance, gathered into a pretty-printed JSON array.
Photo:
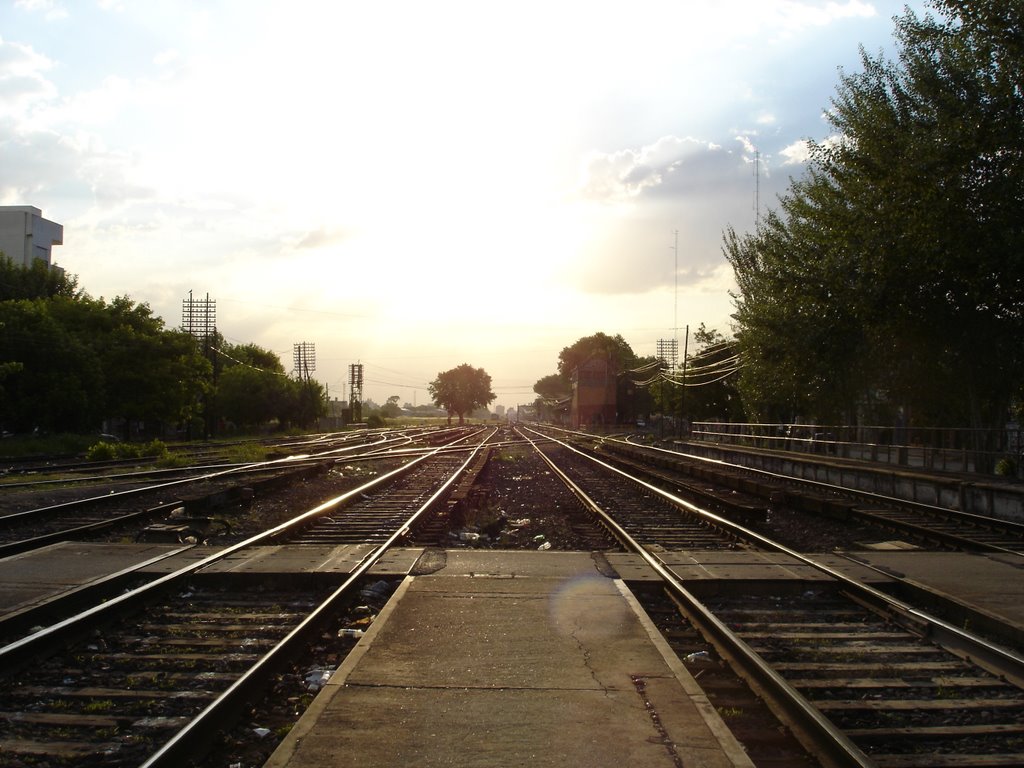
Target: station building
[
  {"x": 26, "y": 237},
  {"x": 594, "y": 393}
]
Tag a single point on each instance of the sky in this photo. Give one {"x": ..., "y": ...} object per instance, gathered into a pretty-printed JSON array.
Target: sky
[{"x": 410, "y": 185}]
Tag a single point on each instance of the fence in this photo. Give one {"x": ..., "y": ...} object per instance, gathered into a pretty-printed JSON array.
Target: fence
[{"x": 946, "y": 450}]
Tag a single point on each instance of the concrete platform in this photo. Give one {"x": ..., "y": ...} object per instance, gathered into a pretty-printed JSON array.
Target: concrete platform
[
  {"x": 993, "y": 583},
  {"x": 33, "y": 578},
  {"x": 511, "y": 659}
]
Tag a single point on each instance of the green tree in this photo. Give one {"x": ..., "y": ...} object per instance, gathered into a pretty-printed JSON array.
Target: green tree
[
  {"x": 250, "y": 397},
  {"x": 615, "y": 347},
  {"x": 461, "y": 390},
  {"x": 249, "y": 354},
  {"x": 253, "y": 390},
  {"x": 894, "y": 271},
  {"x": 57, "y": 383},
  {"x": 151, "y": 374},
  {"x": 304, "y": 403},
  {"x": 80, "y": 360},
  {"x": 552, "y": 387},
  {"x": 391, "y": 408},
  {"x": 710, "y": 391},
  {"x": 38, "y": 281}
]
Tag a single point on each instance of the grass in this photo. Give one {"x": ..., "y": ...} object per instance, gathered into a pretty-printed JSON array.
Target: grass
[
  {"x": 101, "y": 705},
  {"x": 244, "y": 453}
]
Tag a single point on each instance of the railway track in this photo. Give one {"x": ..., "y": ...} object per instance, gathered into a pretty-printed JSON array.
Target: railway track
[
  {"x": 177, "y": 506},
  {"x": 149, "y": 677},
  {"x": 925, "y": 524},
  {"x": 859, "y": 677}
]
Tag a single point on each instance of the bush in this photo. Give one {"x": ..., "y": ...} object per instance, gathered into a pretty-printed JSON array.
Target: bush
[
  {"x": 1006, "y": 467},
  {"x": 156, "y": 449},
  {"x": 103, "y": 451}
]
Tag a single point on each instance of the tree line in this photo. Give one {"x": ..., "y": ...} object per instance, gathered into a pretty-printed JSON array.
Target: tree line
[
  {"x": 70, "y": 362},
  {"x": 887, "y": 286}
]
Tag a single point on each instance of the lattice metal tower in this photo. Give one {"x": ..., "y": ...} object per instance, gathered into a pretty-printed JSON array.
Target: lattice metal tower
[
  {"x": 304, "y": 359},
  {"x": 199, "y": 317},
  {"x": 668, "y": 353},
  {"x": 355, "y": 387}
]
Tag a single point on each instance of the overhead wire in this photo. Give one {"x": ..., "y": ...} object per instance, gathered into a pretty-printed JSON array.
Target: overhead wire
[{"x": 247, "y": 365}]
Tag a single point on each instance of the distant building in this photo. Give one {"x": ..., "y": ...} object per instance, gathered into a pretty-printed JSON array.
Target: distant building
[
  {"x": 499, "y": 411},
  {"x": 594, "y": 388},
  {"x": 26, "y": 237}
]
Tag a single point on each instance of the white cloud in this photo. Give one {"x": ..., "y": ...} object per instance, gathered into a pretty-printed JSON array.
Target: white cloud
[
  {"x": 797, "y": 152},
  {"x": 51, "y": 10},
  {"x": 623, "y": 175},
  {"x": 23, "y": 83},
  {"x": 748, "y": 145},
  {"x": 793, "y": 17}
]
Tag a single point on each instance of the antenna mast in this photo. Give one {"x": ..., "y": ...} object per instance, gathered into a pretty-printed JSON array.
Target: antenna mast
[
  {"x": 675, "y": 304},
  {"x": 757, "y": 187}
]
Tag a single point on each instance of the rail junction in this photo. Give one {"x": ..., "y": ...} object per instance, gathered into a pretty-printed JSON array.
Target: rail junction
[{"x": 502, "y": 596}]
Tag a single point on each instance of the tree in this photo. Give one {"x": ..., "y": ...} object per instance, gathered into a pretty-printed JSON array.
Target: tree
[
  {"x": 391, "y": 408},
  {"x": 461, "y": 389},
  {"x": 151, "y": 375},
  {"x": 893, "y": 273},
  {"x": 710, "y": 390},
  {"x": 304, "y": 403},
  {"x": 74, "y": 361},
  {"x": 57, "y": 383},
  {"x": 252, "y": 389},
  {"x": 250, "y": 397},
  {"x": 38, "y": 281},
  {"x": 552, "y": 387},
  {"x": 615, "y": 347}
]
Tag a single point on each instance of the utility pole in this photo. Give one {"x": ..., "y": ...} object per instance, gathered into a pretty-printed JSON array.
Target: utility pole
[
  {"x": 682, "y": 396},
  {"x": 199, "y": 318},
  {"x": 304, "y": 359},
  {"x": 355, "y": 388}
]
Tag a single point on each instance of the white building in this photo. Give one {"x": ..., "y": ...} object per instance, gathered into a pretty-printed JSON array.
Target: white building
[{"x": 26, "y": 237}]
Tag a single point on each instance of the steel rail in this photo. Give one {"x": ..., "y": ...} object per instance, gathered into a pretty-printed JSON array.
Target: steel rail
[
  {"x": 934, "y": 535},
  {"x": 76, "y": 466},
  {"x": 237, "y": 469},
  {"x": 67, "y": 534},
  {"x": 961, "y": 542},
  {"x": 998, "y": 660},
  {"x": 37, "y": 614},
  {"x": 818, "y": 734},
  {"x": 200, "y": 729},
  {"x": 982, "y": 520},
  {"x": 141, "y": 473},
  {"x": 16, "y": 652},
  {"x": 995, "y": 658}
]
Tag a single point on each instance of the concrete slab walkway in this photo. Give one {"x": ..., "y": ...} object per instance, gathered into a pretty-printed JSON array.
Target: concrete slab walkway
[{"x": 509, "y": 659}]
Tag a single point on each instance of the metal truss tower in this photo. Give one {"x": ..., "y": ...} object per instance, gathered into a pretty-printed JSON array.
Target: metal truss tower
[
  {"x": 304, "y": 359},
  {"x": 355, "y": 387},
  {"x": 668, "y": 353},
  {"x": 199, "y": 317}
]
